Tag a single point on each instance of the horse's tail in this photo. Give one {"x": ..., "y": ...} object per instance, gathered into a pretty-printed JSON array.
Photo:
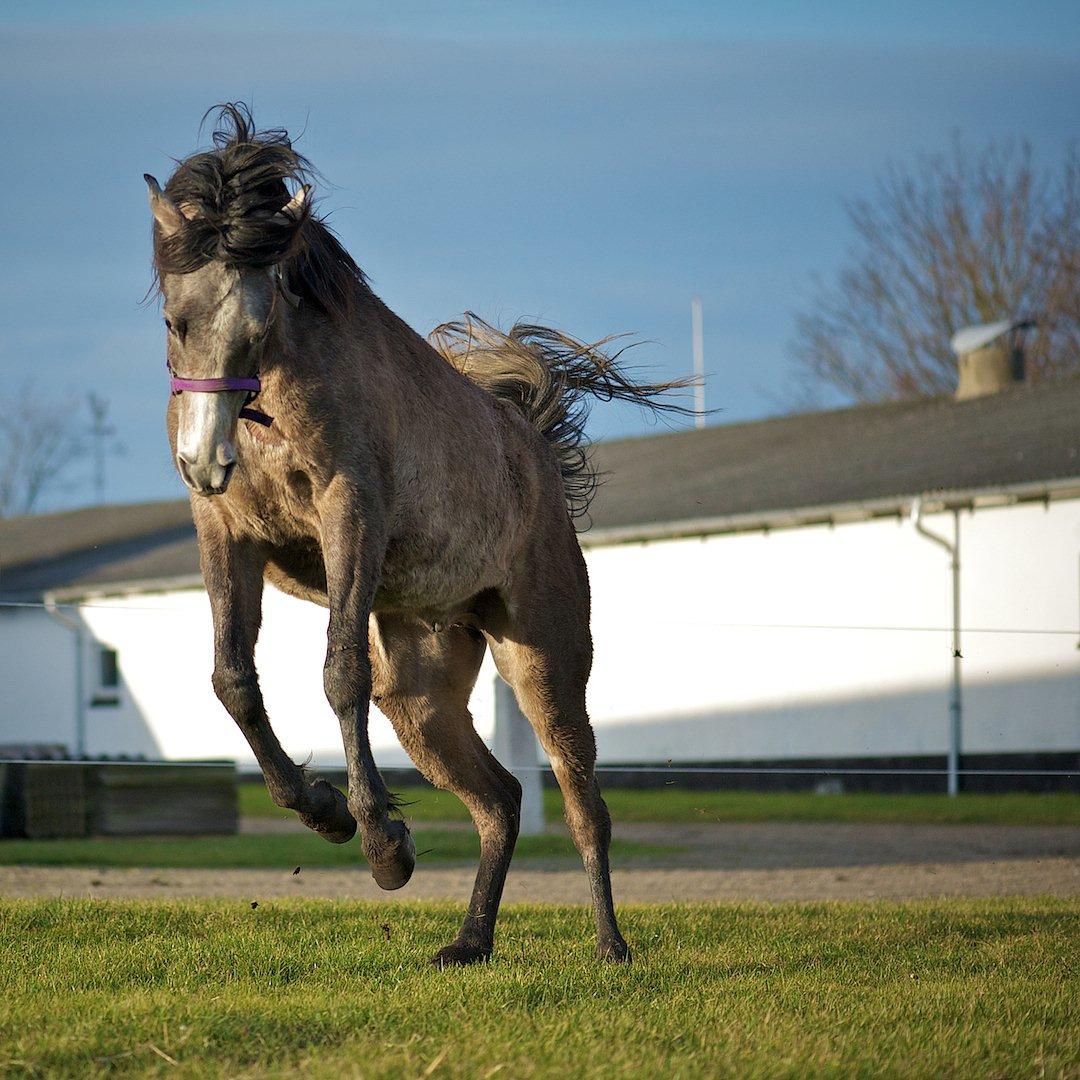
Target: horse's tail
[{"x": 550, "y": 376}]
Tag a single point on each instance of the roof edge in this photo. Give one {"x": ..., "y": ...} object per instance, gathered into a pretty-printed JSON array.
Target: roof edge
[
  {"x": 834, "y": 513},
  {"x": 76, "y": 593}
]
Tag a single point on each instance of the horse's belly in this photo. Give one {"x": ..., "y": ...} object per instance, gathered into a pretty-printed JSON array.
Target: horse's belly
[{"x": 422, "y": 578}]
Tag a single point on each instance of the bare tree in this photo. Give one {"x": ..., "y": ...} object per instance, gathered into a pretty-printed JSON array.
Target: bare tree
[
  {"x": 960, "y": 238},
  {"x": 38, "y": 443}
]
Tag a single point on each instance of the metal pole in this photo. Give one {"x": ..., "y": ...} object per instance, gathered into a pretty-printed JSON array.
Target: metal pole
[
  {"x": 515, "y": 746},
  {"x": 956, "y": 701},
  {"x": 78, "y": 636},
  {"x": 699, "y": 362}
]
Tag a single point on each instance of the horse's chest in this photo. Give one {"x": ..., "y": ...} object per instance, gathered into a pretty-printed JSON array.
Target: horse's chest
[{"x": 274, "y": 503}]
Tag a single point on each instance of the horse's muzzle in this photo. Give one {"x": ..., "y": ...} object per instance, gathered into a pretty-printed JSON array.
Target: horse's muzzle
[
  {"x": 206, "y": 440},
  {"x": 205, "y": 478}
]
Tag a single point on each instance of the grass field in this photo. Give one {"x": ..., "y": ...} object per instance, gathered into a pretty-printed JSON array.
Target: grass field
[
  {"x": 673, "y": 804},
  {"x": 957, "y": 988},
  {"x": 280, "y": 851}
]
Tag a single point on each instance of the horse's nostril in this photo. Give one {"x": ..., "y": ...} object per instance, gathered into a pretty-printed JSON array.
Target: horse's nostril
[{"x": 182, "y": 465}]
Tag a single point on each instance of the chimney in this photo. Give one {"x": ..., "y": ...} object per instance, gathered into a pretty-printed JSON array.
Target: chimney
[{"x": 990, "y": 357}]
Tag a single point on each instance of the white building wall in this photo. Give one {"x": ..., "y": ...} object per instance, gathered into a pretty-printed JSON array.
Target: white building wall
[
  {"x": 802, "y": 643},
  {"x": 735, "y": 642},
  {"x": 37, "y": 679},
  {"x": 165, "y": 644}
]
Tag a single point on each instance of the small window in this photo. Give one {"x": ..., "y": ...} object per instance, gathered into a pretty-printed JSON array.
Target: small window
[
  {"x": 106, "y": 690},
  {"x": 109, "y": 669}
]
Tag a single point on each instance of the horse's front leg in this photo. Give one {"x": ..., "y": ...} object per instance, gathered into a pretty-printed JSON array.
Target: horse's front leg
[
  {"x": 353, "y": 552},
  {"x": 233, "y": 573}
]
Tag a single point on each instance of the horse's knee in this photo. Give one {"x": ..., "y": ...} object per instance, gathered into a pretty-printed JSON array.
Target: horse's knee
[
  {"x": 346, "y": 680},
  {"x": 238, "y": 690}
]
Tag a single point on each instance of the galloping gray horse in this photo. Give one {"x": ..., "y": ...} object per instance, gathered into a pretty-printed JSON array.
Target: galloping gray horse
[{"x": 424, "y": 492}]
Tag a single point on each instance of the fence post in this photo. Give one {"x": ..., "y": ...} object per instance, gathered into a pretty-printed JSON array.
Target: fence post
[{"x": 515, "y": 746}]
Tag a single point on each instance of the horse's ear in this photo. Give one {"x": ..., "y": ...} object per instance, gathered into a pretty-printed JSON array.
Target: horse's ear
[
  {"x": 295, "y": 207},
  {"x": 165, "y": 211}
]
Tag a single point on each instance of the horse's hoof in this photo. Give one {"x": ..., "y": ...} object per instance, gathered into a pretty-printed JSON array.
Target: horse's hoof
[
  {"x": 330, "y": 817},
  {"x": 613, "y": 951},
  {"x": 460, "y": 954},
  {"x": 394, "y": 869}
]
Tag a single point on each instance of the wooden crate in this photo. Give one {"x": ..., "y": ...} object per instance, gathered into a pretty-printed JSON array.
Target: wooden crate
[
  {"x": 163, "y": 800},
  {"x": 43, "y": 800}
]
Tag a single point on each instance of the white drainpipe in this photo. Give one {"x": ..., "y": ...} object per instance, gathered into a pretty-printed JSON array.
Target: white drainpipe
[{"x": 956, "y": 704}]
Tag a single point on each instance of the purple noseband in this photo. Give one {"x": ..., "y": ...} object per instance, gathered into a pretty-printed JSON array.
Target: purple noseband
[{"x": 214, "y": 386}]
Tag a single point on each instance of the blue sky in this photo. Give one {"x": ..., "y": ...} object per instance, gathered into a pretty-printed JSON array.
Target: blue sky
[{"x": 592, "y": 165}]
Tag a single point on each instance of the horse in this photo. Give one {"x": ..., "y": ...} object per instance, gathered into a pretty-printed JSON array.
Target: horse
[{"x": 424, "y": 491}]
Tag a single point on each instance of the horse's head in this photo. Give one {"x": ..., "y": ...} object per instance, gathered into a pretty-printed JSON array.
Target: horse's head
[
  {"x": 228, "y": 232},
  {"x": 218, "y": 317},
  {"x": 234, "y": 248}
]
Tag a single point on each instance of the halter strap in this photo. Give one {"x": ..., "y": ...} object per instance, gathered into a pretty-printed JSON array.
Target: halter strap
[{"x": 214, "y": 386}]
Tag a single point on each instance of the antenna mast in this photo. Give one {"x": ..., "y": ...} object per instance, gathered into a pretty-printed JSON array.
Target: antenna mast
[
  {"x": 699, "y": 362},
  {"x": 100, "y": 432}
]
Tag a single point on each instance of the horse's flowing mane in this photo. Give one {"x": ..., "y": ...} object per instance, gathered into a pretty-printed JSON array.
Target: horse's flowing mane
[
  {"x": 550, "y": 376},
  {"x": 232, "y": 196}
]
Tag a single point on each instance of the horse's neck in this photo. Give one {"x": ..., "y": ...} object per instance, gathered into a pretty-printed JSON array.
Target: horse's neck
[
  {"x": 370, "y": 335},
  {"x": 409, "y": 349}
]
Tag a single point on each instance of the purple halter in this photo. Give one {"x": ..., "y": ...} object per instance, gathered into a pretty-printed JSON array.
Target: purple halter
[
  {"x": 227, "y": 382},
  {"x": 214, "y": 386}
]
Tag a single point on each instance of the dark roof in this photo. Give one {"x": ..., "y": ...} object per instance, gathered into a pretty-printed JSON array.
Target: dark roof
[
  {"x": 1025, "y": 435},
  {"x": 98, "y": 545}
]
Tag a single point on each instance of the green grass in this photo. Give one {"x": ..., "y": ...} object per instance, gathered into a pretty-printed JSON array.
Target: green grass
[
  {"x": 284, "y": 851},
  {"x": 679, "y": 805},
  {"x": 674, "y": 804},
  {"x": 208, "y": 989}
]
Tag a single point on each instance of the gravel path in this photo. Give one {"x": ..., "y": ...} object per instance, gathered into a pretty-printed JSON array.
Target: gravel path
[
  {"x": 720, "y": 862},
  {"x": 1021, "y": 877},
  {"x": 797, "y": 845}
]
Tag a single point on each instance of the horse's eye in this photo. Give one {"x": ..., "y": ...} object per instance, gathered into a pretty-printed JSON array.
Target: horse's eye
[{"x": 179, "y": 328}]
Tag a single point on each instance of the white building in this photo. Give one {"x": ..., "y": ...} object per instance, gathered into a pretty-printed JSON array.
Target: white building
[{"x": 760, "y": 596}]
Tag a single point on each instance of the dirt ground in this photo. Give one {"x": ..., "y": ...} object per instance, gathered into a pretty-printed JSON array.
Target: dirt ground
[{"x": 783, "y": 861}]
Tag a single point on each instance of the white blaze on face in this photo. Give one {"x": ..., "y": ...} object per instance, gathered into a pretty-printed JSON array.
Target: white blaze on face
[
  {"x": 222, "y": 346},
  {"x": 206, "y": 439}
]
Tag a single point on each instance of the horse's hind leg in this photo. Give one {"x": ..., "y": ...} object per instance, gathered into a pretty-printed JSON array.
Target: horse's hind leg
[
  {"x": 546, "y": 657},
  {"x": 422, "y": 682}
]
